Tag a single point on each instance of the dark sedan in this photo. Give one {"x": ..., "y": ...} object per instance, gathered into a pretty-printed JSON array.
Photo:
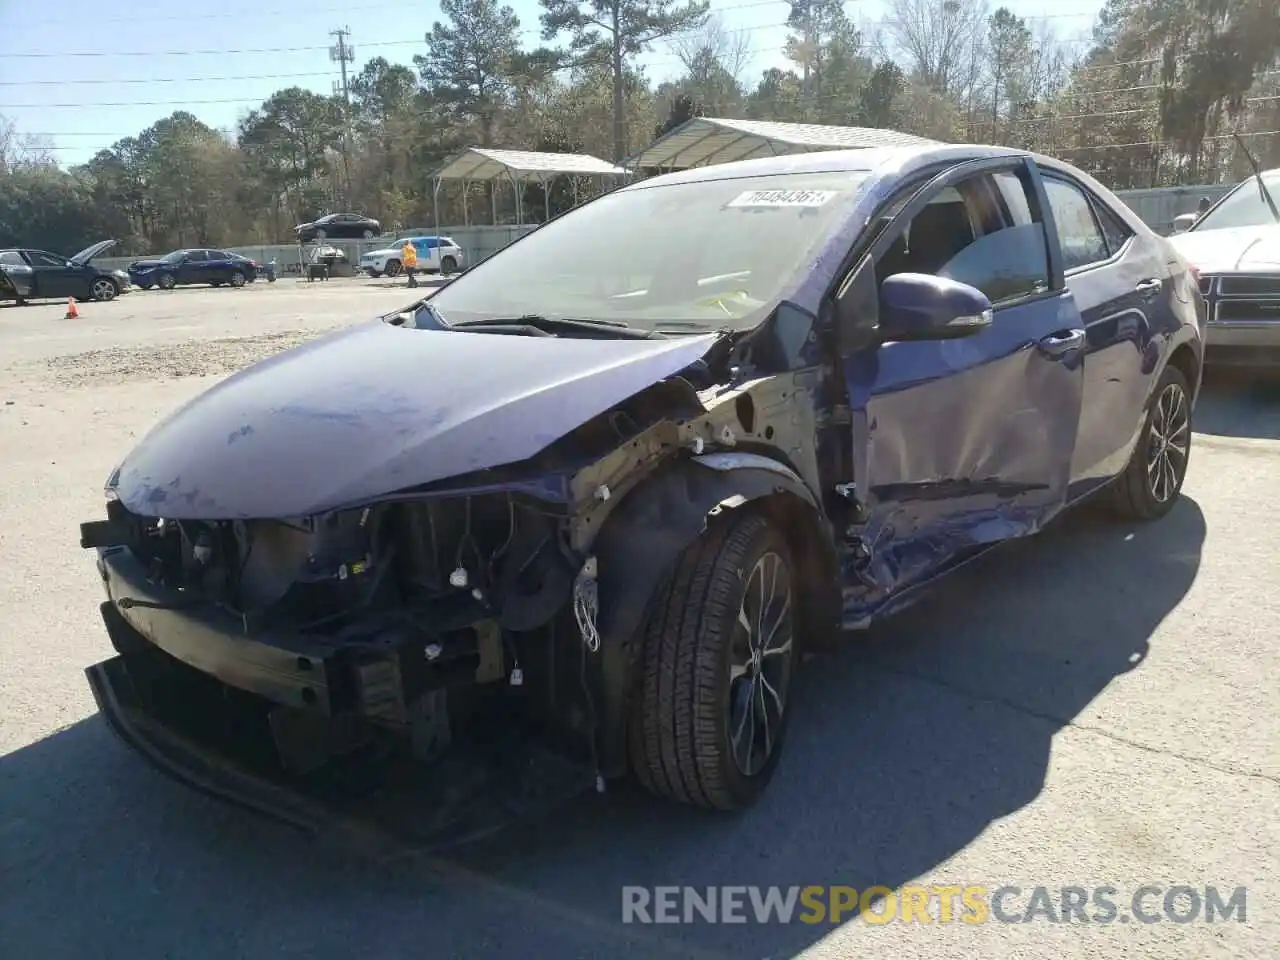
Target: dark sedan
[
  {"x": 339, "y": 226},
  {"x": 185, "y": 267},
  {"x": 40, "y": 275},
  {"x": 578, "y": 513}
]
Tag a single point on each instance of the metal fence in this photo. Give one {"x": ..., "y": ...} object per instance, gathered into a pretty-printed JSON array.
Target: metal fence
[{"x": 1157, "y": 207}]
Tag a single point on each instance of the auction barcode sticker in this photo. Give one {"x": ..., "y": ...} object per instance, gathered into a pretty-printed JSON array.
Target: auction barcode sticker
[{"x": 783, "y": 198}]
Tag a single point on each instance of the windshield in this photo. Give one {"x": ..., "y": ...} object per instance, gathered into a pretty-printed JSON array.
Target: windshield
[
  {"x": 700, "y": 255},
  {"x": 173, "y": 257},
  {"x": 1243, "y": 206}
]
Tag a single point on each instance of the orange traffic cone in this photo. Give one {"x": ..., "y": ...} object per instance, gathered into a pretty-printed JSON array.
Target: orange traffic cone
[{"x": 72, "y": 312}]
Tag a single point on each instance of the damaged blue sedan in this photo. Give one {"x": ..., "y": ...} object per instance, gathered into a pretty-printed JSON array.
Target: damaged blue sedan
[{"x": 576, "y": 516}]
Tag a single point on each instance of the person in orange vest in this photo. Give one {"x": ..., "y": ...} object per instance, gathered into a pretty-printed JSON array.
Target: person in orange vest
[{"x": 409, "y": 261}]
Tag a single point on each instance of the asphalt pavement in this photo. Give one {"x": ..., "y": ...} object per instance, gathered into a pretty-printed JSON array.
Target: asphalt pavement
[{"x": 1096, "y": 706}]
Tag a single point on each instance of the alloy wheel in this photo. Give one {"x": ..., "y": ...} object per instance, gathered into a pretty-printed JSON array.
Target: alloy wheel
[
  {"x": 760, "y": 664},
  {"x": 103, "y": 290},
  {"x": 237, "y": 279},
  {"x": 1169, "y": 443}
]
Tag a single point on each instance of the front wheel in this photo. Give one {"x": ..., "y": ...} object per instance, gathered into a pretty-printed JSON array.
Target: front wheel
[
  {"x": 448, "y": 265},
  {"x": 166, "y": 282},
  {"x": 368, "y": 234},
  {"x": 237, "y": 279},
  {"x": 103, "y": 289},
  {"x": 1151, "y": 483},
  {"x": 393, "y": 268},
  {"x": 709, "y": 711}
]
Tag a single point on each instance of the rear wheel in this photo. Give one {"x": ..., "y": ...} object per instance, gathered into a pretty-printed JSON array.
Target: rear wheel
[
  {"x": 1150, "y": 485},
  {"x": 709, "y": 711},
  {"x": 104, "y": 288}
]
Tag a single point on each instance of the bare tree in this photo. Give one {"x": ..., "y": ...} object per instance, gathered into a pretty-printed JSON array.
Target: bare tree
[
  {"x": 731, "y": 49},
  {"x": 937, "y": 42}
]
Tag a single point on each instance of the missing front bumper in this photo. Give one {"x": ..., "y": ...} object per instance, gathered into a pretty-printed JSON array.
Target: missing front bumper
[{"x": 376, "y": 804}]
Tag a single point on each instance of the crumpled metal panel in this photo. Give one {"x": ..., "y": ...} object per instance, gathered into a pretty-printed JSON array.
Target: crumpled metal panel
[{"x": 375, "y": 409}]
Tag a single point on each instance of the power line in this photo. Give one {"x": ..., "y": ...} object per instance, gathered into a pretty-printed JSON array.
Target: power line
[{"x": 887, "y": 21}]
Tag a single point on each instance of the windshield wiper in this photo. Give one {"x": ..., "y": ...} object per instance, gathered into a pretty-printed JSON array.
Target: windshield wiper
[
  {"x": 550, "y": 325},
  {"x": 1257, "y": 175}
]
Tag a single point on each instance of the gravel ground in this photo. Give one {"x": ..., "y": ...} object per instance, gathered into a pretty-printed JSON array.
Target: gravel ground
[{"x": 1096, "y": 706}]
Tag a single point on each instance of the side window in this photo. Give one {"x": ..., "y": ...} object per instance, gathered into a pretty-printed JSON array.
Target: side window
[
  {"x": 1078, "y": 231},
  {"x": 219, "y": 255},
  {"x": 197, "y": 256},
  {"x": 1115, "y": 230},
  {"x": 41, "y": 259},
  {"x": 962, "y": 235},
  {"x": 12, "y": 257},
  {"x": 1015, "y": 198}
]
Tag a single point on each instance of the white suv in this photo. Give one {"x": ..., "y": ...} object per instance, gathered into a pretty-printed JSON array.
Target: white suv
[{"x": 435, "y": 255}]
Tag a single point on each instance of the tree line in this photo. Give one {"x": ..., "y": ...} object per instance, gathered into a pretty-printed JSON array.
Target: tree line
[{"x": 1152, "y": 98}]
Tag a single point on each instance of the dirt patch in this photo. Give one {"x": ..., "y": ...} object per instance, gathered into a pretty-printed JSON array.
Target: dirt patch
[{"x": 193, "y": 358}]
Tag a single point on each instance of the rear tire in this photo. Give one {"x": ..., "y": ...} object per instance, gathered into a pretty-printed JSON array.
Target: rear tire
[
  {"x": 103, "y": 290},
  {"x": 700, "y": 691},
  {"x": 1152, "y": 482}
]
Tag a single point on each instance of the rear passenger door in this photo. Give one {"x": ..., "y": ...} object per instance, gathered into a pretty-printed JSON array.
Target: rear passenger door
[{"x": 1119, "y": 282}]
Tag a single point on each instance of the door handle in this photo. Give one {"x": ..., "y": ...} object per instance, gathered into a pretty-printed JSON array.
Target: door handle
[
  {"x": 1149, "y": 288},
  {"x": 1061, "y": 344}
]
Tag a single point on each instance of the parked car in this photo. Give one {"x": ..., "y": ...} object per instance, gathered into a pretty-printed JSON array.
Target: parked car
[
  {"x": 1235, "y": 247},
  {"x": 351, "y": 226},
  {"x": 597, "y": 494},
  {"x": 196, "y": 265},
  {"x": 435, "y": 255},
  {"x": 40, "y": 275}
]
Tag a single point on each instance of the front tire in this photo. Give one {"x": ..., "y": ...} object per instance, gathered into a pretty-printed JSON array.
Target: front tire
[
  {"x": 393, "y": 268},
  {"x": 709, "y": 712},
  {"x": 1151, "y": 483},
  {"x": 166, "y": 282},
  {"x": 448, "y": 265},
  {"x": 238, "y": 279}
]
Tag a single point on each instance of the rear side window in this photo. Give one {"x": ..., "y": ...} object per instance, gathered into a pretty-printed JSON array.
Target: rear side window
[
  {"x": 1078, "y": 231},
  {"x": 1114, "y": 230},
  {"x": 13, "y": 257}
]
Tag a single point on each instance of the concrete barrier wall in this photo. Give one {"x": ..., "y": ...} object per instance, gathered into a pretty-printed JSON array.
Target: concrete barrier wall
[
  {"x": 477, "y": 242},
  {"x": 1157, "y": 208}
]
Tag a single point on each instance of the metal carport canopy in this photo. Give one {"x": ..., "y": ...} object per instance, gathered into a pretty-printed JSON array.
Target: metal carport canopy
[
  {"x": 705, "y": 140},
  {"x": 480, "y": 164}
]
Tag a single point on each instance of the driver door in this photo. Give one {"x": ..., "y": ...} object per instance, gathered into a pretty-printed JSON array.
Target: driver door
[
  {"x": 55, "y": 276},
  {"x": 960, "y": 443}
]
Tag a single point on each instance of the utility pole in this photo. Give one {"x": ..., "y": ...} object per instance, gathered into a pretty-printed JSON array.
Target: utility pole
[{"x": 342, "y": 53}]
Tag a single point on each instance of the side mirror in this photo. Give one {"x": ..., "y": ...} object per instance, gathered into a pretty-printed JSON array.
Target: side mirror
[
  {"x": 920, "y": 306},
  {"x": 1182, "y": 223}
]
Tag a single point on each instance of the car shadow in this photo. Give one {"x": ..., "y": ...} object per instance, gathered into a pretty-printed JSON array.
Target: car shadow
[
  {"x": 1239, "y": 403},
  {"x": 904, "y": 747}
]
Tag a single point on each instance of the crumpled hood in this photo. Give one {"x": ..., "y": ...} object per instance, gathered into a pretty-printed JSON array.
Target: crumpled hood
[
  {"x": 376, "y": 408},
  {"x": 1228, "y": 251}
]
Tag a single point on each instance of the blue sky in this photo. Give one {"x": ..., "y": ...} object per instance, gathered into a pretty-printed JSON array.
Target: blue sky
[{"x": 91, "y": 73}]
